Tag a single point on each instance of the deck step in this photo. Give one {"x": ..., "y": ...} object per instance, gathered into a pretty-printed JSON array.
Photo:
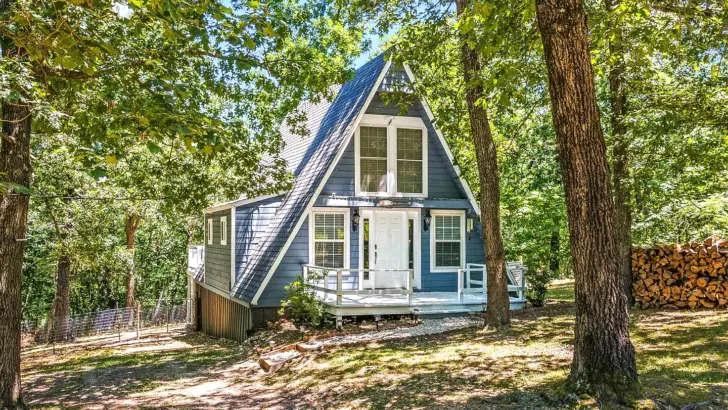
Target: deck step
[{"x": 440, "y": 311}]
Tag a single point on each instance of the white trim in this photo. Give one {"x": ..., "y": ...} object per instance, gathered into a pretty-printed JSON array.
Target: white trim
[
  {"x": 317, "y": 192},
  {"x": 416, "y": 216},
  {"x": 412, "y": 213},
  {"x": 431, "y": 116},
  {"x": 223, "y": 230},
  {"x": 233, "y": 240},
  {"x": 210, "y": 231},
  {"x": 216, "y": 291},
  {"x": 240, "y": 202},
  {"x": 392, "y": 123},
  {"x": 347, "y": 235},
  {"x": 433, "y": 225}
]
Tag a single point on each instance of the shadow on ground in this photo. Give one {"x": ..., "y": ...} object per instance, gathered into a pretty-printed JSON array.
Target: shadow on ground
[{"x": 682, "y": 357}]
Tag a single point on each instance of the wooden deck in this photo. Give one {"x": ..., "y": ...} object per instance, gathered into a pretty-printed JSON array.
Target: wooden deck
[{"x": 400, "y": 304}]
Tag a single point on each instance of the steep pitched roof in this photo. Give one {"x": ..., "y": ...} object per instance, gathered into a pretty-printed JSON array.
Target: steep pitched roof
[
  {"x": 312, "y": 162},
  {"x": 298, "y": 146}
]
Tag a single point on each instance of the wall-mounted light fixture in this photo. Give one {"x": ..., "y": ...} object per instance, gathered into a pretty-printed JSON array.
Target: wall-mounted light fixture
[
  {"x": 471, "y": 221},
  {"x": 428, "y": 220},
  {"x": 355, "y": 220},
  {"x": 471, "y": 224}
]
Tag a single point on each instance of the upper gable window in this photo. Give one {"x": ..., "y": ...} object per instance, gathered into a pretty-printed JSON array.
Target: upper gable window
[
  {"x": 391, "y": 156},
  {"x": 373, "y": 159}
]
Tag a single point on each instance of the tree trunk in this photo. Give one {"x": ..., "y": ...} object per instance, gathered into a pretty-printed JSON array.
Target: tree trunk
[
  {"x": 61, "y": 308},
  {"x": 620, "y": 150},
  {"x": 132, "y": 224},
  {"x": 498, "y": 312},
  {"x": 604, "y": 360},
  {"x": 15, "y": 169},
  {"x": 555, "y": 246}
]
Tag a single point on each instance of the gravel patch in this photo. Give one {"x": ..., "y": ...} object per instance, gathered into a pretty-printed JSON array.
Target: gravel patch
[
  {"x": 282, "y": 356},
  {"x": 427, "y": 327}
]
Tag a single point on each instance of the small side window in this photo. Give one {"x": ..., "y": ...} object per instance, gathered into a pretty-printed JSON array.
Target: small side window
[
  {"x": 223, "y": 230},
  {"x": 209, "y": 231}
]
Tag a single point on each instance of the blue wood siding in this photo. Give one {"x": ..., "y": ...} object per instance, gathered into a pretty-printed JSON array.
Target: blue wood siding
[
  {"x": 297, "y": 255},
  {"x": 217, "y": 256},
  {"x": 292, "y": 265},
  {"x": 442, "y": 179},
  {"x": 448, "y": 281},
  {"x": 251, "y": 221}
]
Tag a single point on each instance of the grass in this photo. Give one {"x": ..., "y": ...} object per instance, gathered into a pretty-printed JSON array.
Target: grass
[
  {"x": 561, "y": 290},
  {"x": 682, "y": 358}
]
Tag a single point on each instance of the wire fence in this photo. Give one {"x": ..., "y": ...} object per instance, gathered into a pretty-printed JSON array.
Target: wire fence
[{"x": 144, "y": 316}]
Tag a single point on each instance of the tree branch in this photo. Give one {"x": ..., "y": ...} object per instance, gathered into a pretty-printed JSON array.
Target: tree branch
[{"x": 683, "y": 11}]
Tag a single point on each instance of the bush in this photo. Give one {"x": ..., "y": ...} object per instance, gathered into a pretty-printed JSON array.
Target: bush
[
  {"x": 536, "y": 287},
  {"x": 302, "y": 304}
]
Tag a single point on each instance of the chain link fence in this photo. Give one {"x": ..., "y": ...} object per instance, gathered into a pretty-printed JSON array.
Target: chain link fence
[{"x": 129, "y": 322}]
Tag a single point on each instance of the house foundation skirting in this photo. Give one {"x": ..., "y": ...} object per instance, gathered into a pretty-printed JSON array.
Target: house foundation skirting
[{"x": 219, "y": 316}]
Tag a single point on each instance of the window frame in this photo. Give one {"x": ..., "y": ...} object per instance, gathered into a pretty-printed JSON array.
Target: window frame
[
  {"x": 223, "y": 230},
  {"x": 312, "y": 233},
  {"x": 210, "y": 230},
  {"x": 392, "y": 123},
  {"x": 433, "y": 256}
]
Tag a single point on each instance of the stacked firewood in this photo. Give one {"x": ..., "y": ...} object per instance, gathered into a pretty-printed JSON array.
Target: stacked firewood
[{"x": 678, "y": 276}]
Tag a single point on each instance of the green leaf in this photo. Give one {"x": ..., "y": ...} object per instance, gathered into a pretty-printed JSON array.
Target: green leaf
[{"x": 153, "y": 148}]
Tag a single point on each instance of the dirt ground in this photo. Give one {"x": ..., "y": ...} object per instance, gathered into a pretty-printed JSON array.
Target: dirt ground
[{"x": 682, "y": 359}]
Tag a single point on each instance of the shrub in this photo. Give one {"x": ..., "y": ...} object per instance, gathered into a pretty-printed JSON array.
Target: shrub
[
  {"x": 302, "y": 304},
  {"x": 536, "y": 287}
]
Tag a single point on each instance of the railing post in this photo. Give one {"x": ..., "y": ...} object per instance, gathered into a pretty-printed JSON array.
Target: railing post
[
  {"x": 338, "y": 287},
  {"x": 467, "y": 277},
  {"x": 373, "y": 277},
  {"x": 485, "y": 283},
  {"x": 460, "y": 284},
  {"x": 326, "y": 285},
  {"x": 521, "y": 294}
]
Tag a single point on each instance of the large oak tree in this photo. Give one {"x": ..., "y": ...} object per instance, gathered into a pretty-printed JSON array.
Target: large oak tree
[{"x": 604, "y": 358}]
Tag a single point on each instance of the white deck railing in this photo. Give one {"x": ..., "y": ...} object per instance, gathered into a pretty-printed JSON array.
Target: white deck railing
[
  {"x": 321, "y": 282},
  {"x": 466, "y": 284},
  {"x": 195, "y": 257}
]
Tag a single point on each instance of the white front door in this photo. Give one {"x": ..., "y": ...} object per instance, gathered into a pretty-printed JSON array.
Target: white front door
[{"x": 390, "y": 248}]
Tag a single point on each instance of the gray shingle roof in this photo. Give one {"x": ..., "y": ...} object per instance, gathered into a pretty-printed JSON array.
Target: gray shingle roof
[
  {"x": 296, "y": 145},
  {"x": 312, "y": 160}
]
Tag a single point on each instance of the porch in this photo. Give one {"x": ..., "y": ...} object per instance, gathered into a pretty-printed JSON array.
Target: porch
[{"x": 330, "y": 286}]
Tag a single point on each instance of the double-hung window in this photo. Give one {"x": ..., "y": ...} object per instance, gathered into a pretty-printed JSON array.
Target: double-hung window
[
  {"x": 329, "y": 236},
  {"x": 209, "y": 230},
  {"x": 391, "y": 156},
  {"x": 373, "y": 158},
  {"x": 448, "y": 240}
]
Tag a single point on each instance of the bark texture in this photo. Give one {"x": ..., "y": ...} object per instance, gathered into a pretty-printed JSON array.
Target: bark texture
[
  {"x": 604, "y": 360},
  {"x": 498, "y": 310},
  {"x": 620, "y": 164},
  {"x": 14, "y": 168},
  {"x": 132, "y": 224},
  {"x": 61, "y": 307}
]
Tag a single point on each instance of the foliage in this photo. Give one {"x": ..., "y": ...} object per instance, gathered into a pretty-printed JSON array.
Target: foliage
[
  {"x": 302, "y": 304},
  {"x": 676, "y": 79},
  {"x": 156, "y": 108},
  {"x": 537, "y": 285}
]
